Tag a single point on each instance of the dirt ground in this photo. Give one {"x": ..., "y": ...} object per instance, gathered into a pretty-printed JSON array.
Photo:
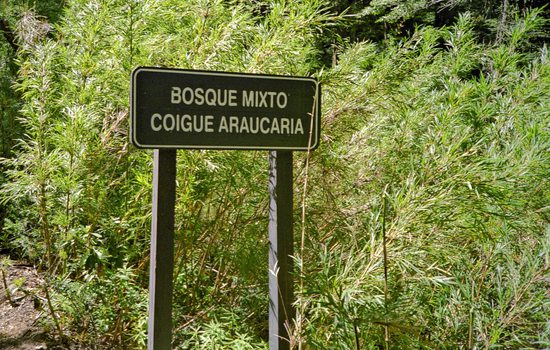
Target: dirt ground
[{"x": 21, "y": 308}]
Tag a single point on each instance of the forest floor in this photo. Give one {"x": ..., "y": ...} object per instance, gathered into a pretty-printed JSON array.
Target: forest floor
[{"x": 22, "y": 307}]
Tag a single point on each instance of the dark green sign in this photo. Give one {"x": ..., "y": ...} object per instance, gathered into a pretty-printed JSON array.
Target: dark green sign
[{"x": 215, "y": 110}]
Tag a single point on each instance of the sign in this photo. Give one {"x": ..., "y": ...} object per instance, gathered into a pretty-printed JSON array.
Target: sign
[
  {"x": 172, "y": 109},
  {"x": 214, "y": 110}
]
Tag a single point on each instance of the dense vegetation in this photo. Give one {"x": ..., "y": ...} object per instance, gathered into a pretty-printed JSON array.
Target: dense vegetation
[{"x": 422, "y": 221}]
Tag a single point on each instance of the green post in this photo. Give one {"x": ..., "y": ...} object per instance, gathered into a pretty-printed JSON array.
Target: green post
[
  {"x": 162, "y": 251},
  {"x": 281, "y": 293}
]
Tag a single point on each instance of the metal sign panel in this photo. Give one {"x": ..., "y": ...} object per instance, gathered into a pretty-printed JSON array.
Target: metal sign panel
[{"x": 173, "y": 108}]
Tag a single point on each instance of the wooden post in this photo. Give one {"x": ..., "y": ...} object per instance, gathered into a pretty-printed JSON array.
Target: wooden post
[
  {"x": 281, "y": 293},
  {"x": 162, "y": 251}
]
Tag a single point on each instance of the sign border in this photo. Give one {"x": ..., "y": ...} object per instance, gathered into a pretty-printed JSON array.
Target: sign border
[{"x": 315, "y": 137}]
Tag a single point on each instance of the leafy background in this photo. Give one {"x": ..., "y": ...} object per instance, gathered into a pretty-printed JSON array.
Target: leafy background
[{"x": 421, "y": 222}]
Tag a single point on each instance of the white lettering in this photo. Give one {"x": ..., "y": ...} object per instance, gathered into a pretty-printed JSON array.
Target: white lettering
[
  {"x": 186, "y": 124},
  {"x": 223, "y": 125},
  {"x": 254, "y": 128},
  {"x": 210, "y": 97},
  {"x": 227, "y": 97},
  {"x": 275, "y": 126},
  {"x": 168, "y": 117},
  {"x": 185, "y": 93},
  {"x": 232, "y": 98},
  {"x": 199, "y": 96},
  {"x": 264, "y": 130},
  {"x": 222, "y": 101},
  {"x": 280, "y": 104},
  {"x": 209, "y": 123},
  {"x": 175, "y": 96},
  {"x": 198, "y": 124},
  {"x": 248, "y": 98},
  {"x": 272, "y": 95},
  {"x": 233, "y": 124},
  {"x": 285, "y": 127},
  {"x": 299, "y": 129},
  {"x": 266, "y": 99},
  {"x": 244, "y": 126},
  {"x": 262, "y": 102},
  {"x": 155, "y": 116}
]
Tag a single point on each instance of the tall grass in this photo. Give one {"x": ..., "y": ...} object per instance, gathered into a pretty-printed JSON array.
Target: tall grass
[
  {"x": 85, "y": 192},
  {"x": 455, "y": 140}
]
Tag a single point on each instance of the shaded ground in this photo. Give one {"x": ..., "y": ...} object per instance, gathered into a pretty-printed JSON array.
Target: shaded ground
[{"x": 21, "y": 308}]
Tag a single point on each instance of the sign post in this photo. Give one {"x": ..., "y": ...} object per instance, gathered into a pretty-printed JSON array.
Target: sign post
[
  {"x": 162, "y": 251},
  {"x": 186, "y": 109},
  {"x": 281, "y": 291}
]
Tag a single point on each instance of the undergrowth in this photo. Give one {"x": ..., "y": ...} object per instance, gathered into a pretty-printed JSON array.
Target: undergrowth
[{"x": 426, "y": 222}]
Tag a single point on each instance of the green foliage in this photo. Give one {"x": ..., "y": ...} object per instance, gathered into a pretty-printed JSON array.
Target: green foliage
[
  {"x": 426, "y": 215},
  {"x": 8, "y": 101},
  {"x": 105, "y": 310},
  {"x": 455, "y": 141},
  {"x": 84, "y": 192},
  {"x": 223, "y": 331}
]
